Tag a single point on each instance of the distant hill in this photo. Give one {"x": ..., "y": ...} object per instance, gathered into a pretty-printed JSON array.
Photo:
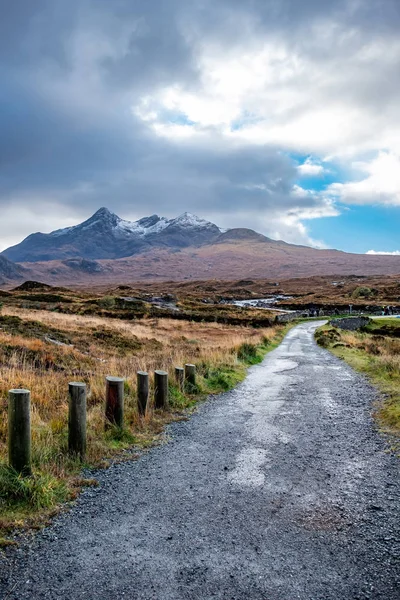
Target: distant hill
[{"x": 106, "y": 249}]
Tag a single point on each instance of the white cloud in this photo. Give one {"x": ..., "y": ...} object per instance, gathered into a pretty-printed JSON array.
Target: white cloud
[
  {"x": 275, "y": 225},
  {"x": 281, "y": 93},
  {"x": 375, "y": 253},
  {"x": 309, "y": 167},
  {"x": 381, "y": 186},
  {"x": 26, "y": 214}
]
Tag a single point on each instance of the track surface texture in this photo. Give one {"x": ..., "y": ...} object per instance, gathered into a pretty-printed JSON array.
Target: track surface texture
[{"x": 278, "y": 490}]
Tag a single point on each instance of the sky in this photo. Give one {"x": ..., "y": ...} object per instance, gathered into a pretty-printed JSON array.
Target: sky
[{"x": 278, "y": 115}]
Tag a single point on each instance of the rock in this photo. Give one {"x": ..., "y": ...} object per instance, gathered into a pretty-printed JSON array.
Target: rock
[{"x": 350, "y": 323}]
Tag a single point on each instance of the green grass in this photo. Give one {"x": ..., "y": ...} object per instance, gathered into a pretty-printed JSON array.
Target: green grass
[
  {"x": 384, "y": 327},
  {"x": 248, "y": 353},
  {"x": 120, "y": 437},
  {"x": 223, "y": 381},
  {"x": 37, "y": 491},
  {"x": 30, "y": 502},
  {"x": 177, "y": 399},
  {"x": 391, "y": 322}
]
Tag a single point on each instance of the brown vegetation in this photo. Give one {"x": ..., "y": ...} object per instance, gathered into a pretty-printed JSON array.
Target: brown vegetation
[{"x": 232, "y": 259}]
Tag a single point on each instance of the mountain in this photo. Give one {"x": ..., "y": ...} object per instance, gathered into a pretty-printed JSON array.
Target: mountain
[
  {"x": 229, "y": 259},
  {"x": 105, "y": 235},
  {"x": 240, "y": 234},
  {"x": 106, "y": 249},
  {"x": 10, "y": 272}
]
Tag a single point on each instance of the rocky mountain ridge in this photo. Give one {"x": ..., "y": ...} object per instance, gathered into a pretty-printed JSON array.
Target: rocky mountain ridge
[{"x": 106, "y": 236}]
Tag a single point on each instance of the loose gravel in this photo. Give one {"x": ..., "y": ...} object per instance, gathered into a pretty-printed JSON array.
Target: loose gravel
[{"x": 279, "y": 490}]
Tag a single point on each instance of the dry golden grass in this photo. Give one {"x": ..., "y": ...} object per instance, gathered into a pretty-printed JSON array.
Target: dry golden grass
[
  {"x": 167, "y": 331},
  {"x": 97, "y": 347}
]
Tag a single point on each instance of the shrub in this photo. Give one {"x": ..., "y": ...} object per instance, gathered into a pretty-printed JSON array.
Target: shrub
[
  {"x": 265, "y": 341},
  {"x": 362, "y": 292},
  {"x": 222, "y": 380},
  {"x": 247, "y": 352},
  {"x": 106, "y": 302},
  {"x": 327, "y": 337},
  {"x": 177, "y": 399}
]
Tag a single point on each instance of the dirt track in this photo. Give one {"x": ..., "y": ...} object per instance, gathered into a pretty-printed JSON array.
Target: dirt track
[{"x": 279, "y": 490}]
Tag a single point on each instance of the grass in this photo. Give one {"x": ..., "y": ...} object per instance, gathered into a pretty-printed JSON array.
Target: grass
[
  {"x": 42, "y": 351},
  {"x": 386, "y": 327},
  {"x": 38, "y": 491},
  {"x": 378, "y": 357}
]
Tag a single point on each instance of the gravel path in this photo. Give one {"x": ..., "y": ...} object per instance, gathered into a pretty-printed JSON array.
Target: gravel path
[{"x": 279, "y": 490}]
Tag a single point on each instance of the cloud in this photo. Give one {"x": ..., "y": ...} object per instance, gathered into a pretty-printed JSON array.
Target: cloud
[
  {"x": 374, "y": 252},
  {"x": 381, "y": 186},
  {"x": 165, "y": 107},
  {"x": 292, "y": 91},
  {"x": 310, "y": 168}
]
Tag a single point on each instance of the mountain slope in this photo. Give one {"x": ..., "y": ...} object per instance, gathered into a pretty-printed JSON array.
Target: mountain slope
[
  {"x": 224, "y": 261},
  {"x": 10, "y": 272},
  {"x": 105, "y": 235}
]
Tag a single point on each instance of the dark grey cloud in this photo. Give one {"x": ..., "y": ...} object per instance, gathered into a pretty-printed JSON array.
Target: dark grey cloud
[
  {"x": 72, "y": 71},
  {"x": 137, "y": 42},
  {"x": 42, "y": 44}
]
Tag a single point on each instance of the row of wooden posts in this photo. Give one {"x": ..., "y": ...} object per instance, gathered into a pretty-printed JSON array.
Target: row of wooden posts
[{"x": 19, "y": 411}]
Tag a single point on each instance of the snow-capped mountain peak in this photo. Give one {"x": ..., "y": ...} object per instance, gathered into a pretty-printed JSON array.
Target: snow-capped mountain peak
[
  {"x": 144, "y": 226},
  {"x": 189, "y": 220},
  {"x": 102, "y": 217},
  {"x": 106, "y": 235}
]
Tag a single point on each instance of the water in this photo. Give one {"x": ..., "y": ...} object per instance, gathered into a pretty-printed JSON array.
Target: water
[{"x": 261, "y": 302}]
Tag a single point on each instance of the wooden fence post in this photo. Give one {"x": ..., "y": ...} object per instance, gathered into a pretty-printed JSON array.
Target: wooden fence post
[
  {"x": 77, "y": 419},
  {"x": 142, "y": 391},
  {"x": 114, "y": 401},
  {"x": 161, "y": 389},
  {"x": 19, "y": 431},
  {"x": 190, "y": 376},
  {"x": 180, "y": 378}
]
